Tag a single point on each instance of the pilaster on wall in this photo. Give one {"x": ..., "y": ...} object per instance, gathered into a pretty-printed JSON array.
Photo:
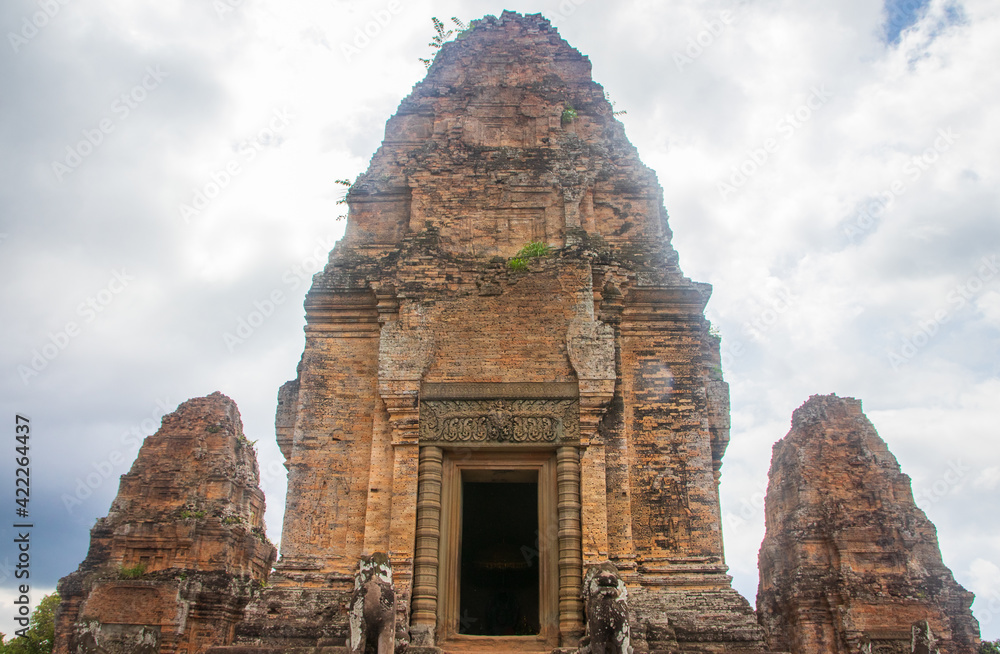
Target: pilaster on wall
[
  {"x": 378, "y": 515},
  {"x": 405, "y": 350},
  {"x": 400, "y": 398},
  {"x": 595, "y": 395},
  {"x": 591, "y": 348},
  {"x": 324, "y": 444},
  {"x": 670, "y": 425}
]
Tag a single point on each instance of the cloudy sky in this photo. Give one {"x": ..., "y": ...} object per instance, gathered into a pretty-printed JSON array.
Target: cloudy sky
[{"x": 168, "y": 169}]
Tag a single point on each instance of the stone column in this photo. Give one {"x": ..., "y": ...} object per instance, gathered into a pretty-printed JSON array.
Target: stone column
[
  {"x": 423, "y": 620},
  {"x": 570, "y": 560}
]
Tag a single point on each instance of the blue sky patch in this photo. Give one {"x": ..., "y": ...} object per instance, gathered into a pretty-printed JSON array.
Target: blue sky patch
[{"x": 900, "y": 14}]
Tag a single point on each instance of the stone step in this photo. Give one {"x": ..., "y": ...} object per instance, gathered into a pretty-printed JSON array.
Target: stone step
[{"x": 490, "y": 645}]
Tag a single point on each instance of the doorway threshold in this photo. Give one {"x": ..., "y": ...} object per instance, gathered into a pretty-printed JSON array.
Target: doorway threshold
[{"x": 495, "y": 644}]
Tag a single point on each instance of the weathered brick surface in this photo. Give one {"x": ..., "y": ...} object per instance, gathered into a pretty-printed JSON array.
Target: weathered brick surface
[
  {"x": 848, "y": 557},
  {"x": 480, "y": 159},
  {"x": 190, "y": 513}
]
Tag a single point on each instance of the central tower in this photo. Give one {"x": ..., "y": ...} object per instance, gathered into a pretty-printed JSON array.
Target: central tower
[{"x": 498, "y": 428}]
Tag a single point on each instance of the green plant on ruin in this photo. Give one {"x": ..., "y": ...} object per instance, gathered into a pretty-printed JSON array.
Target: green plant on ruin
[
  {"x": 534, "y": 249},
  {"x": 232, "y": 520},
  {"x": 187, "y": 514},
  {"x": 465, "y": 29},
  {"x": 528, "y": 252},
  {"x": 621, "y": 112},
  {"x": 258, "y": 533},
  {"x": 132, "y": 572},
  {"x": 714, "y": 332},
  {"x": 568, "y": 114},
  {"x": 213, "y": 429},
  {"x": 517, "y": 264},
  {"x": 347, "y": 184},
  {"x": 441, "y": 35}
]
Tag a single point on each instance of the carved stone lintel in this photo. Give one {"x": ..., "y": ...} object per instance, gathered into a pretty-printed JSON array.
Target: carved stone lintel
[{"x": 499, "y": 421}]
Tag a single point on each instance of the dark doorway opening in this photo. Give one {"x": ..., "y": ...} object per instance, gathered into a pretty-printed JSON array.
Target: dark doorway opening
[{"x": 500, "y": 559}]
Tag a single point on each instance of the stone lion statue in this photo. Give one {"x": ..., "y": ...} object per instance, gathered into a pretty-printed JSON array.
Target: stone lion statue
[
  {"x": 373, "y": 607},
  {"x": 606, "y": 609}
]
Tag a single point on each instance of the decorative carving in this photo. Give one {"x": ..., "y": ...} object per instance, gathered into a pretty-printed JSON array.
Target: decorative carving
[
  {"x": 373, "y": 607},
  {"x": 499, "y": 421},
  {"x": 606, "y": 607}
]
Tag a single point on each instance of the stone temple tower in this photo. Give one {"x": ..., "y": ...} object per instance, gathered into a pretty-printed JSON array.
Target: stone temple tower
[{"x": 496, "y": 427}]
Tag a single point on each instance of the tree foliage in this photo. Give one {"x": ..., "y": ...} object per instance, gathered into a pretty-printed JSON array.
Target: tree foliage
[
  {"x": 40, "y": 635},
  {"x": 989, "y": 647},
  {"x": 441, "y": 35}
]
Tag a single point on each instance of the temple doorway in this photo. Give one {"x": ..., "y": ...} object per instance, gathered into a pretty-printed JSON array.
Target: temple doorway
[
  {"x": 498, "y": 582},
  {"x": 499, "y": 568}
]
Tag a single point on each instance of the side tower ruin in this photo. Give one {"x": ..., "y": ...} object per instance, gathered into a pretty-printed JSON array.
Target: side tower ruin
[
  {"x": 497, "y": 427},
  {"x": 182, "y": 550},
  {"x": 849, "y": 563}
]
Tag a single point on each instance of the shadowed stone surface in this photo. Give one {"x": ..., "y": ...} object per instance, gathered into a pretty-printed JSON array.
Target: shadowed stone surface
[
  {"x": 183, "y": 548},
  {"x": 848, "y": 559}
]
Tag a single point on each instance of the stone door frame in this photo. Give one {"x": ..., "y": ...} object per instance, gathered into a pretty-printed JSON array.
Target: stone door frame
[
  {"x": 457, "y": 465},
  {"x": 435, "y": 615}
]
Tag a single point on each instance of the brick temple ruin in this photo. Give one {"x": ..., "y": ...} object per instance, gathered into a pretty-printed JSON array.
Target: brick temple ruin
[
  {"x": 848, "y": 561},
  {"x": 489, "y": 450}
]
